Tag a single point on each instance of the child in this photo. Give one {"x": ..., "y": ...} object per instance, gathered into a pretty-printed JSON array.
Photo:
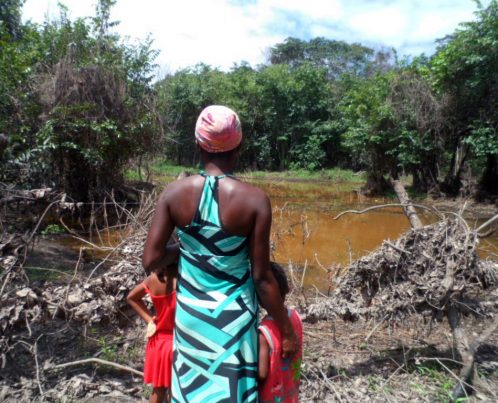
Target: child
[
  {"x": 160, "y": 285},
  {"x": 279, "y": 377}
]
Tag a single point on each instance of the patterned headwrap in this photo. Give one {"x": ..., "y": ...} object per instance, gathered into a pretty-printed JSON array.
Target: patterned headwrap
[{"x": 218, "y": 129}]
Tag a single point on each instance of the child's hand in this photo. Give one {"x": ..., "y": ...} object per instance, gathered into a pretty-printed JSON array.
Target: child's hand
[{"x": 151, "y": 328}]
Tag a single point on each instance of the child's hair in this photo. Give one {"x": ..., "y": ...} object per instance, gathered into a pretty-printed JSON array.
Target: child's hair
[
  {"x": 281, "y": 277},
  {"x": 162, "y": 271}
]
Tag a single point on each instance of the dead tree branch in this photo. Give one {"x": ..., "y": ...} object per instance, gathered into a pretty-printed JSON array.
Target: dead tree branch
[{"x": 100, "y": 362}]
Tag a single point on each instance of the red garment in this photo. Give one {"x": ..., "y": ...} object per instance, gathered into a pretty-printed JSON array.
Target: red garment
[
  {"x": 158, "y": 353},
  {"x": 284, "y": 375}
]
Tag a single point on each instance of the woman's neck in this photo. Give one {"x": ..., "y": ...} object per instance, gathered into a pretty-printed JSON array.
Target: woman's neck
[{"x": 216, "y": 168}]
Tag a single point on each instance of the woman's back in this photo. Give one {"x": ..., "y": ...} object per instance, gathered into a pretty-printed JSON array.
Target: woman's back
[{"x": 238, "y": 202}]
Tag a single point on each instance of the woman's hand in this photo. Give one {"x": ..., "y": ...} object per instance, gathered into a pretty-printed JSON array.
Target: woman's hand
[{"x": 290, "y": 344}]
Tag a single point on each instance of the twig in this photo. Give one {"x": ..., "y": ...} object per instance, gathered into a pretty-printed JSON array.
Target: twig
[
  {"x": 105, "y": 259},
  {"x": 35, "y": 354},
  {"x": 7, "y": 278},
  {"x": 76, "y": 267},
  {"x": 76, "y": 236},
  {"x": 27, "y": 324},
  {"x": 350, "y": 251},
  {"x": 320, "y": 264},
  {"x": 330, "y": 385},
  {"x": 36, "y": 229},
  {"x": 98, "y": 361},
  {"x": 318, "y": 291},
  {"x": 47, "y": 269},
  {"x": 304, "y": 273},
  {"x": 396, "y": 248},
  {"x": 375, "y": 328},
  {"x": 438, "y": 360},
  {"x": 489, "y": 222}
]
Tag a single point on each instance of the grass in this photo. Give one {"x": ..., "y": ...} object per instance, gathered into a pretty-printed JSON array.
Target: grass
[
  {"x": 158, "y": 168},
  {"x": 165, "y": 168},
  {"x": 333, "y": 175},
  {"x": 439, "y": 377},
  {"x": 55, "y": 273}
]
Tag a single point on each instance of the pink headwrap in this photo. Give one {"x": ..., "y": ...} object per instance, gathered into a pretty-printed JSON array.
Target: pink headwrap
[{"x": 218, "y": 129}]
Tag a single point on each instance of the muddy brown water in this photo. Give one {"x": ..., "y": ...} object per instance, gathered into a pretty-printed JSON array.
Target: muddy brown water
[{"x": 305, "y": 235}]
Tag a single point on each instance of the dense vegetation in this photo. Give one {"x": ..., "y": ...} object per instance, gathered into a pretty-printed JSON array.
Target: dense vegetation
[
  {"x": 74, "y": 98},
  {"x": 76, "y": 102}
]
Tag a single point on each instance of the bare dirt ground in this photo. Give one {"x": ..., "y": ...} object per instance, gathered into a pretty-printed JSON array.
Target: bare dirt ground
[{"x": 394, "y": 365}]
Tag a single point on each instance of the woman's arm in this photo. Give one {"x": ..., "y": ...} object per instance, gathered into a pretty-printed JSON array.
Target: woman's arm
[
  {"x": 156, "y": 253},
  {"x": 135, "y": 299},
  {"x": 264, "y": 357},
  {"x": 266, "y": 285}
]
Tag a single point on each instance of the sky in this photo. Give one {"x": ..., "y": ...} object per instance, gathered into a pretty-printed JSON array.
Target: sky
[{"x": 221, "y": 33}]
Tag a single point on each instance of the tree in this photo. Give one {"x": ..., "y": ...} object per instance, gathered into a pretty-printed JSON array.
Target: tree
[
  {"x": 181, "y": 97},
  {"x": 10, "y": 19},
  {"x": 391, "y": 121},
  {"x": 337, "y": 57},
  {"x": 295, "y": 114},
  {"x": 464, "y": 68},
  {"x": 19, "y": 53},
  {"x": 97, "y": 101}
]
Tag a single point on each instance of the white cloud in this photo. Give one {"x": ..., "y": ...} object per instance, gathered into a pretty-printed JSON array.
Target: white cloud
[
  {"x": 223, "y": 32},
  {"x": 381, "y": 24}
]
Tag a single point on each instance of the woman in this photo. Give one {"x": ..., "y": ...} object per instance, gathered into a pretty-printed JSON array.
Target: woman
[{"x": 224, "y": 231}]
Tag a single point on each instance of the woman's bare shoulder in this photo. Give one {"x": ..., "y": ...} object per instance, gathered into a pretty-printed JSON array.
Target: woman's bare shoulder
[
  {"x": 180, "y": 186},
  {"x": 251, "y": 192}
]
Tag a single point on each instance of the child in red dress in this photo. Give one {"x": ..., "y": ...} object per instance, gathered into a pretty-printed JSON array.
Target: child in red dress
[
  {"x": 161, "y": 286},
  {"x": 279, "y": 378}
]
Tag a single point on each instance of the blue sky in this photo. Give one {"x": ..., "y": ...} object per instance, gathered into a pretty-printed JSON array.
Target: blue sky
[{"x": 223, "y": 32}]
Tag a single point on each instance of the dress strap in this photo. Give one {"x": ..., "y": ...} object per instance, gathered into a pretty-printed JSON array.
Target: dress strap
[
  {"x": 228, "y": 175},
  {"x": 267, "y": 335},
  {"x": 147, "y": 290},
  {"x": 208, "y": 210}
]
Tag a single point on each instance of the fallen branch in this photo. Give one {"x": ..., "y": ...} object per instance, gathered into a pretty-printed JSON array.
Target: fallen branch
[
  {"x": 420, "y": 206},
  {"x": 98, "y": 361}
]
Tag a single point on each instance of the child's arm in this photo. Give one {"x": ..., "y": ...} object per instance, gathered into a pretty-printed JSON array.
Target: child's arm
[
  {"x": 135, "y": 299},
  {"x": 264, "y": 357}
]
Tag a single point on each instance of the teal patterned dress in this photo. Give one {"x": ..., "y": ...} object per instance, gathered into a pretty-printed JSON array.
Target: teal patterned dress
[{"x": 215, "y": 342}]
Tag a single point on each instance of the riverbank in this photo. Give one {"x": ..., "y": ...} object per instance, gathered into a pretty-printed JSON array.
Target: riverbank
[{"x": 160, "y": 169}]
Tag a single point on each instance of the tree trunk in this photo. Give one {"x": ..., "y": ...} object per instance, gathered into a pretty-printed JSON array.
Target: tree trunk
[
  {"x": 425, "y": 175},
  {"x": 453, "y": 182},
  {"x": 404, "y": 199},
  {"x": 488, "y": 185},
  {"x": 376, "y": 185}
]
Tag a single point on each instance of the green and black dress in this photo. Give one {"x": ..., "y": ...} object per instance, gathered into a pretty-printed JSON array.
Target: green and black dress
[{"x": 215, "y": 341}]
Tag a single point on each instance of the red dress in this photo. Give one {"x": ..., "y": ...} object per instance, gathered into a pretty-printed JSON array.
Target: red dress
[
  {"x": 158, "y": 353},
  {"x": 284, "y": 376}
]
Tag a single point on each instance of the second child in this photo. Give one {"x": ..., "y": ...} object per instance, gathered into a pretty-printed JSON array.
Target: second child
[
  {"x": 279, "y": 377},
  {"x": 160, "y": 285}
]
